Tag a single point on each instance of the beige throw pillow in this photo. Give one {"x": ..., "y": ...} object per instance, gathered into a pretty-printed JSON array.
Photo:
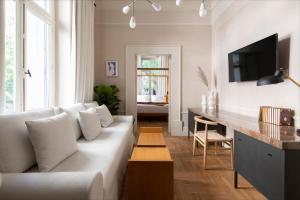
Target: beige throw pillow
[
  {"x": 89, "y": 123},
  {"x": 53, "y": 140},
  {"x": 104, "y": 115},
  {"x": 73, "y": 111}
]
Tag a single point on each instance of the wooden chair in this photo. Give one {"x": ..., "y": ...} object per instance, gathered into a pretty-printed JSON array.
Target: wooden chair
[{"x": 210, "y": 136}]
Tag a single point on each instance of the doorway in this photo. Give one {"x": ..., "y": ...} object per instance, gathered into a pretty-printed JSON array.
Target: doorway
[
  {"x": 152, "y": 78},
  {"x": 174, "y": 93}
]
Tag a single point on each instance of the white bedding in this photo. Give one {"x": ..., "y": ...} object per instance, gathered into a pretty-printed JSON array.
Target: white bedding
[{"x": 152, "y": 108}]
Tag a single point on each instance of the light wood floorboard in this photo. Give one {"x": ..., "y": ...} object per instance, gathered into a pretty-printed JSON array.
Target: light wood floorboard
[{"x": 191, "y": 182}]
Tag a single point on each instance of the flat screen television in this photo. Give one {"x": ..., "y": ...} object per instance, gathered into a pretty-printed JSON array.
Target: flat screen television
[{"x": 254, "y": 61}]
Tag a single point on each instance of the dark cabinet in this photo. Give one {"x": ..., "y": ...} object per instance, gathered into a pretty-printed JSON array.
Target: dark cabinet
[
  {"x": 267, "y": 168},
  {"x": 191, "y": 124}
]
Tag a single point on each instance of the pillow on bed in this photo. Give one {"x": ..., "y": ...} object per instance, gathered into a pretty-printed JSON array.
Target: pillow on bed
[{"x": 104, "y": 116}]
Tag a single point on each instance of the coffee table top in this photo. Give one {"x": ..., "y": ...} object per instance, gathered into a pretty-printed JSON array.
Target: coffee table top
[
  {"x": 151, "y": 140},
  {"x": 150, "y": 154}
]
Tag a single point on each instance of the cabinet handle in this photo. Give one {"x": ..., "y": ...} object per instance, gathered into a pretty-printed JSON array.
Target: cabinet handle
[
  {"x": 269, "y": 154},
  {"x": 239, "y": 139}
]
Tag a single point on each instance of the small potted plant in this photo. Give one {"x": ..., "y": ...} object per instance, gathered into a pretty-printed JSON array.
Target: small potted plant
[{"x": 107, "y": 94}]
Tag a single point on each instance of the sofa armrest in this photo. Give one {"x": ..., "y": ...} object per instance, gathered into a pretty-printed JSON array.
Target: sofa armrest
[
  {"x": 52, "y": 186},
  {"x": 124, "y": 118}
]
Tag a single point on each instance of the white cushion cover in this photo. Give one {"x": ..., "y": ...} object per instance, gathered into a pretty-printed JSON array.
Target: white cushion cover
[
  {"x": 16, "y": 151},
  {"x": 89, "y": 123},
  {"x": 73, "y": 111},
  {"x": 104, "y": 115},
  {"x": 93, "y": 104},
  {"x": 107, "y": 153},
  {"x": 53, "y": 140}
]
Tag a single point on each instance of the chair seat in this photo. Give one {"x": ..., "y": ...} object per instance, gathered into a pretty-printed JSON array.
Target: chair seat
[{"x": 212, "y": 136}]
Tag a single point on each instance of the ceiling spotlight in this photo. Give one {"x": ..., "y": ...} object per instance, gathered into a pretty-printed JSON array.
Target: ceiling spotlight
[
  {"x": 178, "y": 2},
  {"x": 132, "y": 23},
  {"x": 156, "y": 6},
  {"x": 202, "y": 10},
  {"x": 126, "y": 9}
]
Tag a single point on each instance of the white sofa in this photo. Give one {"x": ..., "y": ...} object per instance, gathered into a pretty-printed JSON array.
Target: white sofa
[{"x": 95, "y": 171}]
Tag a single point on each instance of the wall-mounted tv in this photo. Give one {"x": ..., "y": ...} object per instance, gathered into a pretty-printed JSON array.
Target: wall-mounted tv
[{"x": 254, "y": 61}]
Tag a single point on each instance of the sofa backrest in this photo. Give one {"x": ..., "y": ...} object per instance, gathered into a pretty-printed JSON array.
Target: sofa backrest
[
  {"x": 73, "y": 111},
  {"x": 16, "y": 151}
]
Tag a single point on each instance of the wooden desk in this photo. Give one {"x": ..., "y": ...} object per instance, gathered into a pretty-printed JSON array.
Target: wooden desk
[
  {"x": 151, "y": 140},
  {"x": 150, "y": 174},
  {"x": 267, "y": 155}
]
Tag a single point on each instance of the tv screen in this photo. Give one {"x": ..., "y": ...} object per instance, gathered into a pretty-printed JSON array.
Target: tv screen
[{"x": 254, "y": 61}]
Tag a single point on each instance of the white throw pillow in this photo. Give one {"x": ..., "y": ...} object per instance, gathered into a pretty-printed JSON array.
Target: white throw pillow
[
  {"x": 89, "y": 123},
  {"x": 53, "y": 140},
  {"x": 93, "y": 104},
  {"x": 16, "y": 151},
  {"x": 104, "y": 115},
  {"x": 73, "y": 111}
]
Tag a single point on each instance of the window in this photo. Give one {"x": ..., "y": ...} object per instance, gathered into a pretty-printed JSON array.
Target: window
[
  {"x": 10, "y": 55},
  {"x": 36, "y": 63},
  {"x": 44, "y": 4},
  {"x": 29, "y": 45},
  {"x": 153, "y": 80}
]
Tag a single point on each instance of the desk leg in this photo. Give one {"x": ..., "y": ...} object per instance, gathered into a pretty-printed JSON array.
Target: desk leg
[{"x": 235, "y": 179}]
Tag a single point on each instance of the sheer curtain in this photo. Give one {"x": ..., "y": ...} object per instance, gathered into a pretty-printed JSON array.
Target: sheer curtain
[
  {"x": 2, "y": 66},
  {"x": 84, "y": 59}
]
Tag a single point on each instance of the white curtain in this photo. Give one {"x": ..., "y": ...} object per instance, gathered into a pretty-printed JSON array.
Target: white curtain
[
  {"x": 2, "y": 47},
  {"x": 84, "y": 60}
]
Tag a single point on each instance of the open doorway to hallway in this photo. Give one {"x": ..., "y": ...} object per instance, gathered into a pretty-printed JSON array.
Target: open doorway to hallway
[{"x": 153, "y": 83}]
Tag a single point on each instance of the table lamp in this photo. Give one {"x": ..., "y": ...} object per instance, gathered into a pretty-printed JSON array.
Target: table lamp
[{"x": 278, "y": 77}]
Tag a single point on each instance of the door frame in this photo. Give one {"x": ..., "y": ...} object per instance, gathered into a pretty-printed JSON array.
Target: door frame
[{"x": 175, "y": 121}]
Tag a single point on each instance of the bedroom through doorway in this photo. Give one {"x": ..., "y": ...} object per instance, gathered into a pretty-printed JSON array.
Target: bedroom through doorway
[{"x": 152, "y": 78}]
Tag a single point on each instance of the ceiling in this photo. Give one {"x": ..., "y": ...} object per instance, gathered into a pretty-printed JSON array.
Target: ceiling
[{"x": 142, "y": 5}]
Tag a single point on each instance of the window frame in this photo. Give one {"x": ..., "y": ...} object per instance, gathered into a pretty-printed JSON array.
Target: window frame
[{"x": 49, "y": 18}]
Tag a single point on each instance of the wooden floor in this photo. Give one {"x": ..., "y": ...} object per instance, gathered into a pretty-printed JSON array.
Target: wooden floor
[{"x": 191, "y": 182}]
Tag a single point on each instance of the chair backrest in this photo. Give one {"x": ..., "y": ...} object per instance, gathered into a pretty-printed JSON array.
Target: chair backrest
[{"x": 198, "y": 119}]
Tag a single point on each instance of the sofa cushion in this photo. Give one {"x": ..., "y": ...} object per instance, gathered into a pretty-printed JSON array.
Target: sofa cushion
[
  {"x": 53, "y": 140},
  {"x": 107, "y": 153},
  {"x": 93, "y": 104},
  {"x": 16, "y": 151},
  {"x": 73, "y": 111},
  {"x": 104, "y": 115},
  {"x": 89, "y": 123}
]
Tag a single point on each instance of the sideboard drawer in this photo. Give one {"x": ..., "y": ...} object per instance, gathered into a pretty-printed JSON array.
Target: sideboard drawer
[
  {"x": 245, "y": 156},
  {"x": 270, "y": 171}
]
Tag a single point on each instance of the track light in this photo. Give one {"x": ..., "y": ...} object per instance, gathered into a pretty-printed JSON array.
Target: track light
[
  {"x": 132, "y": 23},
  {"x": 126, "y": 9},
  {"x": 202, "y": 10},
  {"x": 178, "y": 2},
  {"x": 156, "y": 6}
]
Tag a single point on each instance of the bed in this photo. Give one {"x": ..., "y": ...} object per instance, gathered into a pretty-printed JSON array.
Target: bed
[{"x": 154, "y": 109}]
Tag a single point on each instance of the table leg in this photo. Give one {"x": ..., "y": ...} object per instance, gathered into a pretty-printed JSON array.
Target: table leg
[{"x": 235, "y": 179}]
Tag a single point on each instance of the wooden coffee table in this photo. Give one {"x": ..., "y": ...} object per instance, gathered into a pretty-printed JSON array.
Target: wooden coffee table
[
  {"x": 150, "y": 174},
  {"x": 151, "y": 140},
  {"x": 151, "y": 130}
]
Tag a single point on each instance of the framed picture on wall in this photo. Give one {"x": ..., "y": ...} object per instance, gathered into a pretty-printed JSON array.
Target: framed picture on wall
[{"x": 112, "y": 68}]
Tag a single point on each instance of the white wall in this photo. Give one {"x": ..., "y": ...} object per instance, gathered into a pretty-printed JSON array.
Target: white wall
[
  {"x": 187, "y": 29},
  {"x": 245, "y": 22}
]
